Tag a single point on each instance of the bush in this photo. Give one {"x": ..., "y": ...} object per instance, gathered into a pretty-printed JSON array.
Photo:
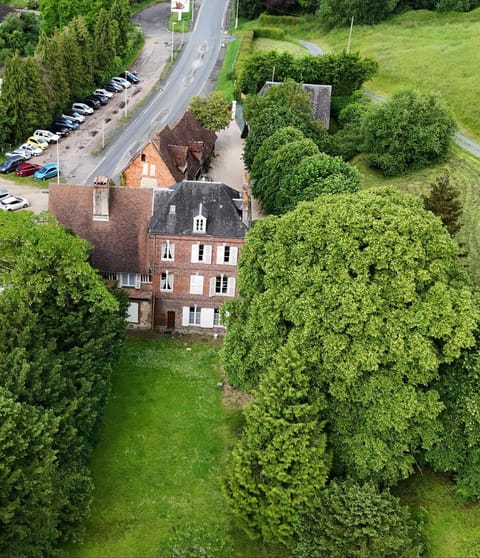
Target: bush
[{"x": 273, "y": 33}]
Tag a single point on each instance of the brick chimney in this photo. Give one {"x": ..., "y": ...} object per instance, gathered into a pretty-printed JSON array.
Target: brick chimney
[{"x": 101, "y": 198}]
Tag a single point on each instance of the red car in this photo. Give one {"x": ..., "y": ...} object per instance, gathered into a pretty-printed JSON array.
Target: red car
[{"x": 27, "y": 169}]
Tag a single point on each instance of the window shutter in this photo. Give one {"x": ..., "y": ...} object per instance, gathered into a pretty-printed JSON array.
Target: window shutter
[
  {"x": 231, "y": 286},
  {"x": 185, "y": 315},
  {"x": 211, "y": 291},
  {"x": 206, "y": 317},
  {"x": 145, "y": 169},
  {"x": 220, "y": 254},
  {"x": 233, "y": 255},
  {"x": 138, "y": 279},
  {"x": 207, "y": 250},
  {"x": 194, "y": 253},
  {"x": 196, "y": 284},
  {"x": 172, "y": 251}
]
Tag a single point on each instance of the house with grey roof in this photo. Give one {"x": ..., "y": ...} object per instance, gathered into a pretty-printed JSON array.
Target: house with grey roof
[
  {"x": 175, "y": 250},
  {"x": 320, "y": 99},
  {"x": 197, "y": 229}
]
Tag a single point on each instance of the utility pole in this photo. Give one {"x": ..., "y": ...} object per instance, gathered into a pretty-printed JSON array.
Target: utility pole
[{"x": 350, "y": 35}]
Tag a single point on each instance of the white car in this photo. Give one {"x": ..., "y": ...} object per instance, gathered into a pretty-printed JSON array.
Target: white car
[
  {"x": 25, "y": 153},
  {"x": 47, "y": 135},
  {"x": 75, "y": 116},
  {"x": 122, "y": 82},
  {"x": 82, "y": 108},
  {"x": 12, "y": 203},
  {"x": 103, "y": 92},
  {"x": 32, "y": 149}
]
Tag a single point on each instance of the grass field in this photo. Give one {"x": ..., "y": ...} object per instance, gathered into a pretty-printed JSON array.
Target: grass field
[
  {"x": 158, "y": 466},
  {"x": 425, "y": 50}
]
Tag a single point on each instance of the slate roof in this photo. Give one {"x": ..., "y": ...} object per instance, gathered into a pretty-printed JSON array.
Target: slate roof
[
  {"x": 221, "y": 205},
  {"x": 320, "y": 96},
  {"x": 119, "y": 244},
  {"x": 185, "y": 148}
]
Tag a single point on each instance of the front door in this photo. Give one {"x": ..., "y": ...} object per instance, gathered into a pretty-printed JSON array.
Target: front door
[{"x": 171, "y": 320}]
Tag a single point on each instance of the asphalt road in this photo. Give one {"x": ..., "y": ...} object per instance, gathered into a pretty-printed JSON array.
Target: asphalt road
[{"x": 188, "y": 77}]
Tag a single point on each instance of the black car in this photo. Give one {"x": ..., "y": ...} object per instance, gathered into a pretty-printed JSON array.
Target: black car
[
  {"x": 59, "y": 129},
  {"x": 11, "y": 164},
  {"x": 103, "y": 100},
  {"x": 92, "y": 102},
  {"x": 113, "y": 87},
  {"x": 66, "y": 123},
  {"x": 130, "y": 76}
]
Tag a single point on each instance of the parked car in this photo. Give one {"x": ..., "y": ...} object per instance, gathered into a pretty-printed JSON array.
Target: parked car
[
  {"x": 13, "y": 202},
  {"x": 46, "y": 135},
  {"x": 59, "y": 130},
  {"x": 92, "y": 103},
  {"x": 113, "y": 87},
  {"x": 31, "y": 149},
  {"x": 4, "y": 194},
  {"x": 38, "y": 142},
  {"x": 26, "y": 154},
  {"x": 103, "y": 92},
  {"x": 47, "y": 171},
  {"x": 130, "y": 76},
  {"x": 75, "y": 116},
  {"x": 103, "y": 100},
  {"x": 27, "y": 169},
  {"x": 82, "y": 108},
  {"x": 69, "y": 124},
  {"x": 9, "y": 165},
  {"x": 121, "y": 81}
]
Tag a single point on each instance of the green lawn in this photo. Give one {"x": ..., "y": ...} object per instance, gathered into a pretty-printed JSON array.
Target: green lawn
[
  {"x": 157, "y": 467},
  {"x": 453, "y": 528}
]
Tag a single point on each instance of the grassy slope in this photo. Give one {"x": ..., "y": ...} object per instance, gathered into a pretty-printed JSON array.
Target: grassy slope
[
  {"x": 157, "y": 467},
  {"x": 426, "y": 50}
]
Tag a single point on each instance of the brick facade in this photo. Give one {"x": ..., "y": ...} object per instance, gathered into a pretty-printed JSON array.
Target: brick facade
[{"x": 148, "y": 169}]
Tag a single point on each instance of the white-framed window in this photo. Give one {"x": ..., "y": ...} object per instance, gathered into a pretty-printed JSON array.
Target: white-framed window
[
  {"x": 196, "y": 284},
  {"x": 109, "y": 275},
  {"x": 131, "y": 280},
  {"x": 194, "y": 315},
  {"x": 146, "y": 278},
  {"x": 227, "y": 255},
  {"x": 201, "y": 253},
  {"x": 199, "y": 224},
  {"x": 133, "y": 313},
  {"x": 166, "y": 281},
  {"x": 168, "y": 251},
  {"x": 222, "y": 285},
  {"x": 216, "y": 317}
]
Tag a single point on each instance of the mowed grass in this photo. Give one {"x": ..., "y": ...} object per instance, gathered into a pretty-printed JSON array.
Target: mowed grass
[
  {"x": 157, "y": 467},
  {"x": 261, "y": 44},
  {"x": 453, "y": 527}
]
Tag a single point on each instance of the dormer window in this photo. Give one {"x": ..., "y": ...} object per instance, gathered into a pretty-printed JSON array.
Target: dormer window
[
  {"x": 200, "y": 221},
  {"x": 199, "y": 225}
]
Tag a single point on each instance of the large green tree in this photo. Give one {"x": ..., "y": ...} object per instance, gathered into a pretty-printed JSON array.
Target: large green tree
[
  {"x": 212, "y": 111},
  {"x": 410, "y": 131},
  {"x": 369, "y": 288},
  {"x": 280, "y": 462},
  {"x": 60, "y": 331},
  {"x": 28, "y": 513}
]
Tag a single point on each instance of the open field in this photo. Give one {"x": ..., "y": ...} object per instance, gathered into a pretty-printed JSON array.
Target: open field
[
  {"x": 158, "y": 463},
  {"x": 422, "y": 49}
]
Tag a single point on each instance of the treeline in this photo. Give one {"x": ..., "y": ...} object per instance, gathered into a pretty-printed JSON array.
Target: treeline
[
  {"x": 60, "y": 331},
  {"x": 336, "y": 13},
  {"x": 74, "y": 53}
]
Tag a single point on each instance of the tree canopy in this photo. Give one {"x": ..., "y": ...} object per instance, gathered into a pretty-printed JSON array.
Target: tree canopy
[
  {"x": 410, "y": 131},
  {"x": 213, "y": 112},
  {"x": 60, "y": 332},
  {"x": 369, "y": 289},
  {"x": 444, "y": 201}
]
